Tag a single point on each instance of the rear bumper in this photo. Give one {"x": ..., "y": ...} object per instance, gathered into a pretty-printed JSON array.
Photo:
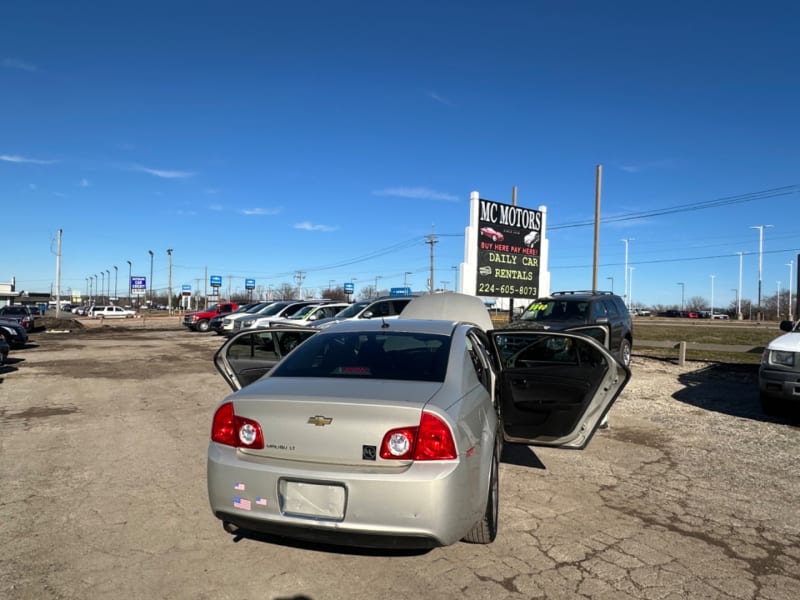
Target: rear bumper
[{"x": 419, "y": 506}]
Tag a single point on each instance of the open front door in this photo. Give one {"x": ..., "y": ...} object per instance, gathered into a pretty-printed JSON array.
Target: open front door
[{"x": 554, "y": 387}]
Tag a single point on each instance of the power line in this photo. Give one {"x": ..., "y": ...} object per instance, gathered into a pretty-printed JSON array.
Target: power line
[{"x": 694, "y": 206}]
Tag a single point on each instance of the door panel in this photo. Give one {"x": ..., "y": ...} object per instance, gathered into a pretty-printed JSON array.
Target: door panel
[{"x": 554, "y": 386}]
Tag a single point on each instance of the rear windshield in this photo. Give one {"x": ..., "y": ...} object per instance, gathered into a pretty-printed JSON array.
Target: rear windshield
[{"x": 378, "y": 355}]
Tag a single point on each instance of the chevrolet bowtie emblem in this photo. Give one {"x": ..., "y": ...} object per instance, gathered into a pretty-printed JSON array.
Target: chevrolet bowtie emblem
[{"x": 319, "y": 420}]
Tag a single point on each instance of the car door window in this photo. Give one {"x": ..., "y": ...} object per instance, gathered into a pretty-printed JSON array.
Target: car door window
[
  {"x": 478, "y": 361},
  {"x": 598, "y": 311}
]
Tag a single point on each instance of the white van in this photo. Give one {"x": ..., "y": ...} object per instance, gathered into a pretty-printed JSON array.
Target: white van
[{"x": 779, "y": 373}]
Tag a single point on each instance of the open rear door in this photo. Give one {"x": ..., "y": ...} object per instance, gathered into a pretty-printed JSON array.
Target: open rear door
[
  {"x": 554, "y": 387},
  {"x": 249, "y": 355}
]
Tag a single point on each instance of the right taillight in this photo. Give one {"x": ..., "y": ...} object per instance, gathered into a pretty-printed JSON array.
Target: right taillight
[
  {"x": 430, "y": 440},
  {"x": 232, "y": 430}
]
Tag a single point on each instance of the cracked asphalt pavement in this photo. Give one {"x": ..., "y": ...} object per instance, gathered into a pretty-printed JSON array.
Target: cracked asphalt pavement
[{"x": 691, "y": 493}]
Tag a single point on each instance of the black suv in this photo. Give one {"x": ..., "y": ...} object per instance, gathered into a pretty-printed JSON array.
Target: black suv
[{"x": 601, "y": 315}]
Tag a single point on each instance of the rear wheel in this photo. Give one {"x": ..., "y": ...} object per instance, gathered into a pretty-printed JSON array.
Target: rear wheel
[
  {"x": 202, "y": 326},
  {"x": 485, "y": 530},
  {"x": 625, "y": 352}
]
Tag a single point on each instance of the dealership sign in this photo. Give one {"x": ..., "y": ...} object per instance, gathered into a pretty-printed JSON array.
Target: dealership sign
[
  {"x": 215, "y": 281},
  {"x": 249, "y": 284},
  {"x": 138, "y": 286},
  {"x": 509, "y": 250}
]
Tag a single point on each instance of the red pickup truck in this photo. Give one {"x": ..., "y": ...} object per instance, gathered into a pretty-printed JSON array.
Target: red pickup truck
[{"x": 198, "y": 321}]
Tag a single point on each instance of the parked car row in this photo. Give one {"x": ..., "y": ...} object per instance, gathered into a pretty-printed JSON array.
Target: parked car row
[
  {"x": 227, "y": 318},
  {"x": 13, "y": 336}
]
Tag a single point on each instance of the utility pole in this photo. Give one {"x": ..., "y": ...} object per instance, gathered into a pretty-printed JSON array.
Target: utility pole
[
  {"x": 431, "y": 239},
  {"x": 116, "y": 274},
  {"x": 205, "y": 288},
  {"x": 683, "y": 288},
  {"x": 299, "y": 276},
  {"x": 760, "y": 261},
  {"x": 597, "y": 185},
  {"x": 169, "y": 280},
  {"x": 790, "y": 264}
]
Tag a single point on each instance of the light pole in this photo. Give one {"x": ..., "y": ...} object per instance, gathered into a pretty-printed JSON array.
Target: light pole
[
  {"x": 95, "y": 288},
  {"x": 150, "y": 252},
  {"x": 376, "y": 284},
  {"x": 169, "y": 280},
  {"x": 102, "y": 284},
  {"x": 680, "y": 283},
  {"x": 630, "y": 288},
  {"x": 739, "y": 291},
  {"x": 455, "y": 278},
  {"x": 405, "y": 278},
  {"x": 130, "y": 270},
  {"x": 778, "y": 301},
  {"x": 612, "y": 283},
  {"x": 108, "y": 285},
  {"x": 626, "y": 295},
  {"x": 712, "y": 295},
  {"x": 116, "y": 275},
  {"x": 790, "y": 264},
  {"x": 760, "y": 260}
]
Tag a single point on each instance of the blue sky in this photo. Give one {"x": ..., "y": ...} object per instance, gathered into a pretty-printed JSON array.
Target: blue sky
[{"x": 260, "y": 139}]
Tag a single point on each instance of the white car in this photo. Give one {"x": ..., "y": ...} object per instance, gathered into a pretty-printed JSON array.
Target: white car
[
  {"x": 308, "y": 315},
  {"x": 111, "y": 312}
]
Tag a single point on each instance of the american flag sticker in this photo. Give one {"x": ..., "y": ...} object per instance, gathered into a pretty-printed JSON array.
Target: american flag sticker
[
  {"x": 239, "y": 487},
  {"x": 242, "y": 503},
  {"x": 261, "y": 501}
]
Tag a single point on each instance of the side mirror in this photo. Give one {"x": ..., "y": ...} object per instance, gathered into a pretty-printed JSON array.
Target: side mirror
[{"x": 786, "y": 325}]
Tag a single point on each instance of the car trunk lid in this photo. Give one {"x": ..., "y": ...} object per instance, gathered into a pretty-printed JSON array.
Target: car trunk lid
[{"x": 328, "y": 420}]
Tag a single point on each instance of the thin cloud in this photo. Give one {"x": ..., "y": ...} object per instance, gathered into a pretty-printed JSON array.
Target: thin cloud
[
  {"x": 21, "y": 65},
  {"x": 417, "y": 193},
  {"x": 15, "y": 158},
  {"x": 308, "y": 226},
  {"x": 84, "y": 182},
  {"x": 260, "y": 212},
  {"x": 216, "y": 207},
  {"x": 164, "y": 174},
  {"x": 439, "y": 99},
  {"x": 646, "y": 166}
]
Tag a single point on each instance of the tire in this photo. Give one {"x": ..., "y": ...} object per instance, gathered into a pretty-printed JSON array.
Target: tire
[
  {"x": 485, "y": 530},
  {"x": 625, "y": 352},
  {"x": 202, "y": 326}
]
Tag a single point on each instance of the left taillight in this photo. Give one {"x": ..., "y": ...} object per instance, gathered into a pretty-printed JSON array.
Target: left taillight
[
  {"x": 232, "y": 430},
  {"x": 430, "y": 440}
]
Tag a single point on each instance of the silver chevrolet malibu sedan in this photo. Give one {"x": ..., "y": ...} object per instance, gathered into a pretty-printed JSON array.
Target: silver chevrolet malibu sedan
[{"x": 389, "y": 433}]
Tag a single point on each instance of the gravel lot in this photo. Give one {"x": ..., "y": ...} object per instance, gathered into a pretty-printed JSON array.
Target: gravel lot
[{"x": 691, "y": 493}]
